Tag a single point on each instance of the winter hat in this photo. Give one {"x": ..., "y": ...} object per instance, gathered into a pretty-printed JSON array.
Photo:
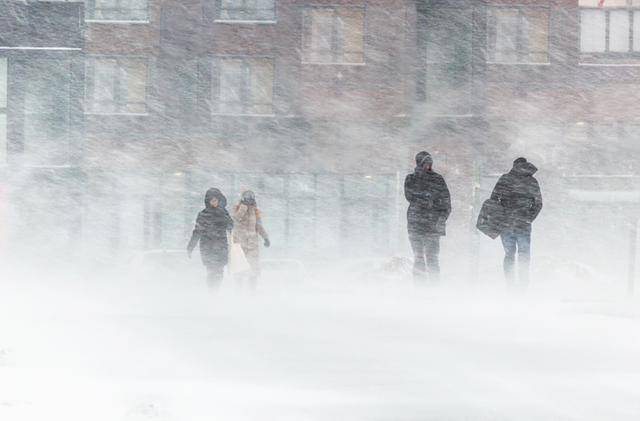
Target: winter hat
[
  {"x": 522, "y": 166},
  {"x": 214, "y": 193},
  {"x": 420, "y": 156},
  {"x": 423, "y": 159},
  {"x": 248, "y": 195},
  {"x": 427, "y": 161}
]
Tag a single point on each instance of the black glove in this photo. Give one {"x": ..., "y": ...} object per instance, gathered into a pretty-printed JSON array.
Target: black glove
[{"x": 267, "y": 243}]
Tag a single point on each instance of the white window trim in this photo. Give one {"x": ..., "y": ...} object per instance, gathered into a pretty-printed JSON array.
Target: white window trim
[
  {"x": 118, "y": 22},
  {"x": 450, "y": 115},
  {"x": 132, "y": 114},
  {"x": 243, "y": 115},
  {"x": 609, "y": 64},
  {"x": 517, "y": 6},
  {"x": 107, "y": 56},
  {"x": 512, "y": 63},
  {"x": 313, "y": 63},
  {"x": 43, "y": 48},
  {"x": 364, "y": 33},
  {"x": 227, "y": 56},
  {"x": 629, "y": 55},
  {"x": 246, "y": 22}
]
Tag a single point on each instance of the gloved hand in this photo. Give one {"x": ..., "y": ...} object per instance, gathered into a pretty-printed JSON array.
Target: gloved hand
[
  {"x": 267, "y": 243},
  {"x": 189, "y": 254},
  {"x": 248, "y": 202}
]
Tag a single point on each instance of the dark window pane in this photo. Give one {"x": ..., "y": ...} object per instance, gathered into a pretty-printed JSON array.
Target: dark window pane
[
  {"x": 448, "y": 61},
  {"x": 46, "y": 108}
]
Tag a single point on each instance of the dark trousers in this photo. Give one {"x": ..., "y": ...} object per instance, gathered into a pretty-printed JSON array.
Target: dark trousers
[
  {"x": 214, "y": 276},
  {"x": 516, "y": 240},
  {"x": 425, "y": 245}
]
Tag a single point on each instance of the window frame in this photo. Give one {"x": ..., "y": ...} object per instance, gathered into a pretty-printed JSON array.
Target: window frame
[
  {"x": 219, "y": 19},
  {"x": 436, "y": 54},
  {"x": 615, "y": 56},
  {"x": 520, "y": 51},
  {"x": 90, "y": 9},
  {"x": 118, "y": 58},
  {"x": 334, "y": 52},
  {"x": 215, "y": 87},
  {"x": 64, "y": 144}
]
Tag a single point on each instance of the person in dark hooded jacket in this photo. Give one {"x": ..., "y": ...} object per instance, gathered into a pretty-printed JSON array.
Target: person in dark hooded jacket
[
  {"x": 429, "y": 209},
  {"x": 211, "y": 229},
  {"x": 519, "y": 194}
]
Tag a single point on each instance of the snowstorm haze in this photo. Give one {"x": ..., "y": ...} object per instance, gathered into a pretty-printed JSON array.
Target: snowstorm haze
[{"x": 117, "y": 117}]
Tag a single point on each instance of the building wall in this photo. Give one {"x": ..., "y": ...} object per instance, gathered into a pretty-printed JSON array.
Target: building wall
[
  {"x": 328, "y": 157},
  {"x": 332, "y": 125}
]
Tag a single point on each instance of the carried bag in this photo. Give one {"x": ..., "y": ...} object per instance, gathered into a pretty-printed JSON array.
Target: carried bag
[
  {"x": 237, "y": 260},
  {"x": 492, "y": 218}
]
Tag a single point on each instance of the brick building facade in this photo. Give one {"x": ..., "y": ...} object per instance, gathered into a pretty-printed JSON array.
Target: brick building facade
[{"x": 318, "y": 105}]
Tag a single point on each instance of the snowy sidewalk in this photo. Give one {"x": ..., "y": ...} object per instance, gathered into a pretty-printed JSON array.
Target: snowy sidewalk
[{"x": 72, "y": 350}]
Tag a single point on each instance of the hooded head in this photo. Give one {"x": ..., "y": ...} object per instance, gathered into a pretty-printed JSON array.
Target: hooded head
[
  {"x": 521, "y": 166},
  {"x": 214, "y": 193},
  {"x": 423, "y": 160},
  {"x": 247, "y": 196}
]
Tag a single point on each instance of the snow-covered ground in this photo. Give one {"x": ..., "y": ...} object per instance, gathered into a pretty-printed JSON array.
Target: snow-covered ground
[{"x": 332, "y": 348}]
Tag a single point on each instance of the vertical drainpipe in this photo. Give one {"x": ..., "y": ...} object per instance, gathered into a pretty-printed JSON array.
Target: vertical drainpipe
[
  {"x": 315, "y": 211},
  {"x": 343, "y": 216},
  {"x": 4, "y": 223},
  {"x": 146, "y": 223},
  {"x": 633, "y": 241},
  {"x": 287, "y": 209},
  {"x": 188, "y": 183},
  {"x": 157, "y": 213},
  {"x": 395, "y": 230},
  {"x": 115, "y": 214},
  {"x": 474, "y": 239}
]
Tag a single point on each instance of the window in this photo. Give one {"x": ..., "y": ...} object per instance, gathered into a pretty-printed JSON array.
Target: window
[
  {"x": 446, "y": 51},
  {"x": 118, "y": 10},
  {"x": 246, "y": 10},
  {"x": 242, "y": 85},
  {"x": 333, "y": 35},
  {"x": 47, "y": 95},
  {"x": 518, "y": 34},
  {"x": 610, "y": 32},
  {"x": 116, "y": 85}
]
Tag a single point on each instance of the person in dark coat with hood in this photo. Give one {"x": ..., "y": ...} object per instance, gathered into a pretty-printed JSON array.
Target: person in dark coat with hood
[
  {"x": 429, "y": 209},
  {"x": 211, "y": 229},
  {"x": 519, "y": 194}
]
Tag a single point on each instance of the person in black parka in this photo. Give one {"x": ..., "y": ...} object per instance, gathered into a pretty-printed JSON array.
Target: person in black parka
[
  {"x": 429, "y": 209},
  {"x": 519, "y": 194},
  {"x": 211, "y": 229}
]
